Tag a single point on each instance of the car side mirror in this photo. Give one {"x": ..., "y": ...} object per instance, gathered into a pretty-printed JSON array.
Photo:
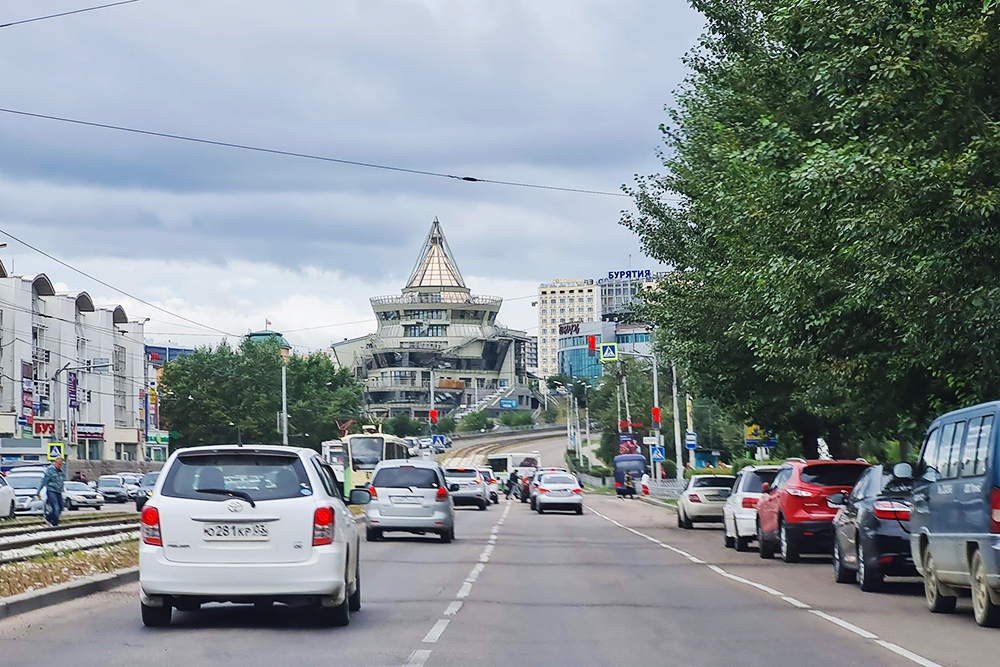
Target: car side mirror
[
  {"x": 836, "y": 500},
  {"x": 765, "y": 488},
  {"x": 359, "y": 497},
  {"x": 902, "y": 471},
  {"x": 453, "y": 487}
]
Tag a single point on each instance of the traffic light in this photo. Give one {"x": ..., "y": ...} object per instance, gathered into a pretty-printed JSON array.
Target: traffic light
[
  {"x": 656, "y": 418},
  {"x": 592, "y": 345},
  {"x": 434, "y": 416}
]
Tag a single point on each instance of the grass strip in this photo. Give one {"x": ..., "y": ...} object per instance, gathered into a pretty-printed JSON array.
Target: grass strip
[{"x": 59, "y": 567}]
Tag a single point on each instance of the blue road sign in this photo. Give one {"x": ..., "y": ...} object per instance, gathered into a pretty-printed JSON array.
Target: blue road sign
[
  {"x": 659, "y": 454},
  {"x": 508, "y": 403},
  {"x": 437, "y": 440},
  {"x": 55, "y": 451},
  {"x": 691, "y": 440},
  {"x": 609, "y": 352}
]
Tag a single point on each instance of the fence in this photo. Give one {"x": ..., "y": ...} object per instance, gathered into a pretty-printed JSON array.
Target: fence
[{"x": 666, "y": 488}]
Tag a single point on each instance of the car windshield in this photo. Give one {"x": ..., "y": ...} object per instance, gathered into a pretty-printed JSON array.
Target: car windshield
[
  {"x": 461, "y": 472},
  {"x": 366, "y": 452},
  {"x": 528, "y": 462},
  {"x": 404, "y": 477},
  {"x": 636, "y": 465},
  {"x": 262, "y": 476},
  {"x": 76, "y": 486},
  {"x": 558, "y": 479},
  {"x": 757, "y": 478},
  {"x": 149, "y": 479},
  {"x": 109, "y": 481},
  {"x": 832, "y": 474},
  {"x": 24, "y": 481},
  {"x": 713, "y": 482}
]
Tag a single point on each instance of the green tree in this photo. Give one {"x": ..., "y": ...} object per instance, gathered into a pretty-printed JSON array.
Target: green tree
[
  {"x": 446, "y": 425},
  {"x": 475, "y": 421},
  {"x": 516, "y": 418}
]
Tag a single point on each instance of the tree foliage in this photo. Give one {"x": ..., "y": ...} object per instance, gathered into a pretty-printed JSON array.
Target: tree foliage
[{"x": 830, "y": 203}]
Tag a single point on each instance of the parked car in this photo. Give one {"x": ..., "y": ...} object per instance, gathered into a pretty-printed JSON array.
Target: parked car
[
  {"x": 410, "y": 496},
  {"x": 249, "y": 524},
  {"x": 559, "y": 491},
  {"x": 78, "y": 494},
  {"x": 6, "y": 499},
  {"x": 871, "y": 530},
  {"x": 955, "y": 520},
  {"x": 793, "y": 514},
  {"x": 703, "y": 499},
  {"x": 112, "y": 488},
  {"x": 426, "y": 442},
  {"x": 471, "y": 487},
  {"x": 145, "y": 491},
  {"x": 739, "y": 514},
  {"x": 492, "y": 485},
  {"x": 25, "y": 482}
]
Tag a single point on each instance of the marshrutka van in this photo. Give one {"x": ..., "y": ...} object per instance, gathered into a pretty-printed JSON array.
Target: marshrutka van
[
  {"x": 506, "y": 462},
  {"x": 354, "y": 457}
]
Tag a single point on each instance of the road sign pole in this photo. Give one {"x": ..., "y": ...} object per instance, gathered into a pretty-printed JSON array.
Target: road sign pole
[
  {"x": 690, "y": 420},
  {"x": 677, "y": 428}
]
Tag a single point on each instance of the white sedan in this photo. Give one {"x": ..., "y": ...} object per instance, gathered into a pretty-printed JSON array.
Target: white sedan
[
  {"x": 6, "y": 500},
  {"x": 739, "y": 515},
  {"x": 703, "y": 499},
  {"x": 249, "y": 524}
]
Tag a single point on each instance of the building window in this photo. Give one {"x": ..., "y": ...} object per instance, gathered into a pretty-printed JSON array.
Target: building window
[
  {"x": 424, "y": 314},
  {"x": 416, "y": 331}
]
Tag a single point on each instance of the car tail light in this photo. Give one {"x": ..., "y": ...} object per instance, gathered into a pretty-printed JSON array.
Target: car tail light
[
  {"x": 543, "y": 490},
  {"x": 151, "y": 526},
  {"x": 801, "y": 493},
  {"x": 442, "y": 494},
  {"x": 891, "y": 509},
  {"x": 618, "y": 484},
  {"x": 577, "y": 490},
  {"x": 371, "y": 490},
  {"x": 693, "y": 497},
  {"x": 322, "y": 526},
  {"x": 995, "y": 510},
  {"x": 749, "y": 502},
  {"x": 477, "y": 481}
]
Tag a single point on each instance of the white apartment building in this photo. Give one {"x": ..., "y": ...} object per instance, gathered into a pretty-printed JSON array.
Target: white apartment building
[
  {"x": 71, "y": 372},
  {"x": 562, "y": 301}
]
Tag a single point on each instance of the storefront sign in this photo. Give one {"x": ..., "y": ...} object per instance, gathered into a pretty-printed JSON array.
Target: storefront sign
[
  {"x": 566, "y": 329},
  {"x": 44, "y": 428},
  {"x": 71, "y": 380},
  {"x": 626, "y": 275},
  {"x": 90, "y": 431}
]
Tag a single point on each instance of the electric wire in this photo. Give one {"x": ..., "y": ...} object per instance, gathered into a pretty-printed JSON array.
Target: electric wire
[{"x": 69, "y": 13}]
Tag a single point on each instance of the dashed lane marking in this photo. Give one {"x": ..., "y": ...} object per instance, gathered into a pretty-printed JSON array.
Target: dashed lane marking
[
  {"x": 418, "y": 658},
  {"x": 453, "y": 608},
  {"x": 436, "y": 632}
]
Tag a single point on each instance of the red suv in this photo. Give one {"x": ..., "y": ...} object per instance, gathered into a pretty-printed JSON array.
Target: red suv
[{"x": 793, "y": 515}]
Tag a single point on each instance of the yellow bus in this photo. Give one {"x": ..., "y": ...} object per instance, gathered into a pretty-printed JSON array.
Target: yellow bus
[{"x": 357, "y": 455}]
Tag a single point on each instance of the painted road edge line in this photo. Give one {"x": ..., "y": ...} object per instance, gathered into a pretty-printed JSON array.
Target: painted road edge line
[
  {"x": 861, "y": 632},
  {"x": 909, "y": 655}
]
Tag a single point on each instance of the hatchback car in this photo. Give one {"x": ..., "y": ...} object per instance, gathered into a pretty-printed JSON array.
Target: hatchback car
[
  {"x": 145, "y": 489},
  {"x": 6, "y": 499},
  {"x": 793, "y": 513},
  {"x": 703, "y": 499},
  {"x": 78, "y": 494},
  {"x": 410, "y": 496},
  {"x": 739, "y": 514},
  {"x": 471, "y": 487},
  {"x": 492, "y": 484},
  {"x": 249, "y": 524},
  {"x": 531, "y": 483},
  {"x": 871, "y": 530},
  {"x": 112, "y": 488},
  {"x": 559, "y": 491}
]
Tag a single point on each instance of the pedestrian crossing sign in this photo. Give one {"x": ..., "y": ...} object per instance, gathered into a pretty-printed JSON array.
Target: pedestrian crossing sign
[
  {"x": 609, "y": 352},
  {"x": 56, "y": 451}
]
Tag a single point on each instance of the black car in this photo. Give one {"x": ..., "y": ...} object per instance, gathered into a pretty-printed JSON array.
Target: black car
[
  {"x": 145, "y": 489},
  {"x": 871, "y": 530}
]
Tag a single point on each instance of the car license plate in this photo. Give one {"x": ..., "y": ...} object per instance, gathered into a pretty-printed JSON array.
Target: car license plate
[
  {"x": 235, "y": 532},
  {"x": 404, "y": 500}
]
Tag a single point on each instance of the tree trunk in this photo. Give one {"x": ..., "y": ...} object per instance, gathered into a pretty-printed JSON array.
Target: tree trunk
[{"x": 835, "y": 441}]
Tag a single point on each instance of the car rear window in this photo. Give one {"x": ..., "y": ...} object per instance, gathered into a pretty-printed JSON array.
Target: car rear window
[
  {"x": 461, "y": 472},
  {"x": 631, "y": 466},
  {"x": 487, "y": 474},
  {"x": 263, "y": 476},
  {"x": 109, "y": 481},
  {"x": 832, "y": 474},
  {"x": 404, "y": 477},
  {"x": 755, "y": 480},
  {"x": 558, "y": 479},
  {"x": 714, "y": 482}
]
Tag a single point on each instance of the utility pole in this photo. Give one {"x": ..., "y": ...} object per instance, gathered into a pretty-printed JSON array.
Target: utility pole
[
  {"x": 628, "y": 411},
  {"x": 432, "y": 388},
  {"x": 679, "y": 452},
  {"x": 284, "y": 405},
  {"x": 690, "y": 419},
  {"x": 578, "y": 438},
  {"x": 590, "y": 458},
  {"x": 656, "y": 404},
  {"x": 569, "y": 410}
]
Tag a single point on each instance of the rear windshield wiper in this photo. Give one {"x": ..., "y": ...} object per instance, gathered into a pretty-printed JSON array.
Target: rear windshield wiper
[{"x": 232, "y": 494}]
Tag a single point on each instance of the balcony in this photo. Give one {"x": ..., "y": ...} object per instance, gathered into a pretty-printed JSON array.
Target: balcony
[{"x": 437, "y": 297}]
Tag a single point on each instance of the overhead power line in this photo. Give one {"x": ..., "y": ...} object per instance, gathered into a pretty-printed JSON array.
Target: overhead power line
[
  {"x": 75, "y": 11},
  {"x": 110, "y": 286},
  {"x": 308, "y": 156}
]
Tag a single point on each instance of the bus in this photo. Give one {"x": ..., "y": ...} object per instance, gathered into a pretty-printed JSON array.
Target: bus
[
  {"x": 357, "y": 455},
  {"x": 335, "y": 453},
  {"x": 506, "y": 462}
]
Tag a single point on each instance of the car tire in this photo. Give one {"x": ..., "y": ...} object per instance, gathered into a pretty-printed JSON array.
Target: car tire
[
  {"x": 986, "y": 612},
  {"x": 742, "y": 544},
  {"x": 523, "y": 499},
  {"x": 354, "y": 601},
  {"x": 496, "y": 501},
  {"x": 538, "y": 508},
  {"x": 98, "y": 508},
  {"x": 156, "y": 617},
  {"x": 727, "y": 540},
  {"x": 688, "y": 523},
  {"x": 10, "y": 511},
  {"x": 579, "y": 510},
  {"x": 337, "y": 617},
  {"x": 841, "y": 574},
  {"x": 937, "y": 601},
  {"x": 680, "y": 521},
  {"x": 448, "y": 535},
  {"x": 186, "y": 605},
  {"x": 764, "y": 549},
  {"x": 870, "y": 577},
  {"x": 483, "y": 505},
  {"x": 789, "y": 546},
  {"x": 373, "y": 534}
]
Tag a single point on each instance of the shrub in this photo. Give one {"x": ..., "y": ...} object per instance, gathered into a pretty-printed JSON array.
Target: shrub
[
  {"x": 707, "y": 471},
  {"x": 740, "y": 464}
]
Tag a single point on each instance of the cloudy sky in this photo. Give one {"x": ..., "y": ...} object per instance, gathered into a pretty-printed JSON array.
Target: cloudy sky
[{"x": 557, "y": 92}]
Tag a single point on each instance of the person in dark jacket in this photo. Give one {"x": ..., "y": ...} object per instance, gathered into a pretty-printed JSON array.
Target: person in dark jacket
[
  {"x": 512, "y": 484},
  {"x": 53, "y": 481}
]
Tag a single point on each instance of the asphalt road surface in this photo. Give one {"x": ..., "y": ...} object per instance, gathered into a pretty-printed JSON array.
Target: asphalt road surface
[{"x": 517, "y": 588}]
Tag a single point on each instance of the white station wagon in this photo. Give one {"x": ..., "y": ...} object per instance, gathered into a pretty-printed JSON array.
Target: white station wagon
[{"x": 249, "y": 524}]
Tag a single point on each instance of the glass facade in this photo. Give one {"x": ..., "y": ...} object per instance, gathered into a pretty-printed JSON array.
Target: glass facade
[{"x": 577, "y": 361}]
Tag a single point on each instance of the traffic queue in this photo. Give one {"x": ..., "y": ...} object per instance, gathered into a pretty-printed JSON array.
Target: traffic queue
[{"x": 938, "y": 519}]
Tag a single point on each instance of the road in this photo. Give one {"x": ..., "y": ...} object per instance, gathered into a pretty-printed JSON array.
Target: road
[{"x": 519, "y": 588}]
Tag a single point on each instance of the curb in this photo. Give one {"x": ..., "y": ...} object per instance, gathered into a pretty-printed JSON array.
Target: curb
[
  {"x": 71, "y": 590},
  {"x": 658, "y": 503}
]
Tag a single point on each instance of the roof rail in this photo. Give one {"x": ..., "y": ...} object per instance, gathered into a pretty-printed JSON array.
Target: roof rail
[{"x": 795, "y": 458}]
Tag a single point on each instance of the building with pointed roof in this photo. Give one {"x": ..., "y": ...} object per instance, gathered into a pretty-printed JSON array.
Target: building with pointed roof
[{"x": 437, "y": 331}]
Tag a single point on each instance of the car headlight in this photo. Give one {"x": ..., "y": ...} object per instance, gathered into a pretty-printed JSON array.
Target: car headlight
[
  {"x": 79, "y": 498},
  {"x": 100, "y": 497},
  {"x": 149, "y": 493}
]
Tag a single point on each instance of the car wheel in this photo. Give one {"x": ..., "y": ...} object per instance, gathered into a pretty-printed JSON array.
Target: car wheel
[
  {"x": 764, "y": 549},
  {"x": 840, "y": 573},
  {"x": 523, "y": 499},
  {"x": 987, "y": 613},
  {"x": 789, "y": 547},
  {"x": 742, "y": 544},
  {"x": 156, "y": 617},
  {"x": 187, "y": 605},
  {"x": 448, "y": 535},
  {"x": 373, "y": 534},
  {"x": 338, "y": 616},
  {"x": 680, "y": 521},
  {"x": 496, "y": 501},
  {"x": 579, "y": 510},
  {"x": 354, "y": 601},
  {"x": 10, "y": 511},
  {"x": 727, "y": 540},
  {"x": 688, "y": 523},
  {"x": 539, "y": 509},
  {"x": 869, "y": 576},
  {"x": 483, "y": 505},
  {"x": 937, "y": 602}
]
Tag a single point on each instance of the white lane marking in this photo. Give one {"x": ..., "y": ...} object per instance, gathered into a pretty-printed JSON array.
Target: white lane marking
[
  {"x": 796, "y": 603},
  {"x": 696, "y": 560},
  {"x": 488, "y": 549},
  {"x": 436, "y": 632},
  {"x": 729, "y": 575},
  {"x": 453, "y": 608},
  {"x": 861, "y": 632},
  {"x": 418, "y": 658},
  {"x": 909, "y": 655},
  {"x": 464, "y": 591}
]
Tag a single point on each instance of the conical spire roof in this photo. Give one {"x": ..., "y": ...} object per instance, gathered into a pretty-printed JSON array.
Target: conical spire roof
[{"x": 436, "y": 266}]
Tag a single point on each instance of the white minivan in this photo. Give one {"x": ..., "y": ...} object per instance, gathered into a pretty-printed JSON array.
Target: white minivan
[{"x": 249, "y": 524}]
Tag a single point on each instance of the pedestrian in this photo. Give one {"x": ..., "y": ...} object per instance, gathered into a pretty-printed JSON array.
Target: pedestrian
[
  {"x": 512, "y": 484},
  {"x": 53, "y": 482},
  {"x": 629, "y": 484},
  {"x": 77, "y": 477},
  {"x": 645, "y": 483}
]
